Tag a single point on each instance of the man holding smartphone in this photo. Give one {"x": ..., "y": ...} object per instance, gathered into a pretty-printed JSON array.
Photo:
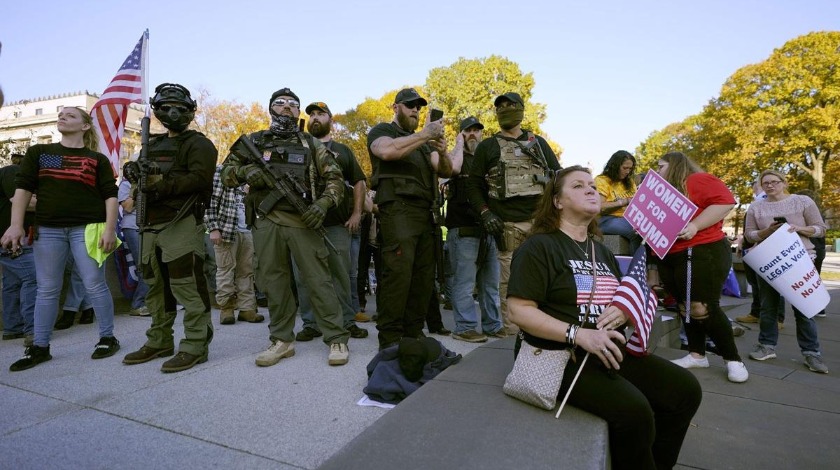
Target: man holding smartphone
[{"x": 405, "y": 169}]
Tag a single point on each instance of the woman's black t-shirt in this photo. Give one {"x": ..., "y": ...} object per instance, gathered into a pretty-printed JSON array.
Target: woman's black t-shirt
[
  {"x": 552, "y": 270},
  {"x": 72, "y": 184}
]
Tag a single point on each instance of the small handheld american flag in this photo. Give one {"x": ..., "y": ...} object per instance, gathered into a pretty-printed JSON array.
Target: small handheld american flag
[{"x": 635, "y": 298}]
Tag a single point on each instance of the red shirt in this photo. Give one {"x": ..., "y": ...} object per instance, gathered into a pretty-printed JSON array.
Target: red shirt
[{"x": 705, "y": 190}]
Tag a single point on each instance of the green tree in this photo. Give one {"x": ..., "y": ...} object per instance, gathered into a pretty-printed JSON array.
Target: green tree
[
  {"x": 469, "y": 86},
  {"x": 675, "y": 137}
]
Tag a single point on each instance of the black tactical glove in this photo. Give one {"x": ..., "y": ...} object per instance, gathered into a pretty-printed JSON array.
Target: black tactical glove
[
  {"x": 157, "y": 191},
  {"x": 491, "y": 222},
  {"x": 253, "y": 175},
  {"x": 131, "y": 172},
  {"x": 316, "y": 213}
]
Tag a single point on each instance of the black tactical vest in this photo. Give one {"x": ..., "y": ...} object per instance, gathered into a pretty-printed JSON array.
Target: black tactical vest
[{"x": 294, "y": 157}]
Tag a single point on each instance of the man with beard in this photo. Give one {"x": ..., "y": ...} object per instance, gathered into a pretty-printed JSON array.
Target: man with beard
[
  {"x": 341, "y": 223},
  {"x": 280, "y": 232},
  {"x": 405, "y": 169},
  {"x": 466, "y": 240},
  {"x": 172, "y": 243},
  {"x": 506, "y": 181}
]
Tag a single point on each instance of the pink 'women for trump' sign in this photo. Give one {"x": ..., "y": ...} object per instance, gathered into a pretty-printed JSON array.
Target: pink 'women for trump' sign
[{"x": 659, "y": 212}]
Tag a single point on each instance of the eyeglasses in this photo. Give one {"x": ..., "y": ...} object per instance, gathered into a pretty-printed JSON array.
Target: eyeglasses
[
  {"x": 412, "y": 105},
  {"x": 767, "y": 184},
  {"x": 284, "y": 102},
  {"x": 168, "y": 107}
]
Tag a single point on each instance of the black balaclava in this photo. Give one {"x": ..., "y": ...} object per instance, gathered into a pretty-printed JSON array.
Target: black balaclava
[{"x": 173, "y": 106}]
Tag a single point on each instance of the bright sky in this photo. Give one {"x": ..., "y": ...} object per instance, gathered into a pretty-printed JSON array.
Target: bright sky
[{"x": 610, "y": 72}]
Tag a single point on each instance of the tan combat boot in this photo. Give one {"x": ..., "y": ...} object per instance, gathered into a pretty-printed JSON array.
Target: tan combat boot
[
  {"x": 226, "y": 316},
  {"x": 250, "y": 316}
]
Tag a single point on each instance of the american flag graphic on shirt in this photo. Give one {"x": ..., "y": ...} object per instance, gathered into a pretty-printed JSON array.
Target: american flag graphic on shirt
[
  {"x": 605, "y": 287},
  {"x": 80, "y": 169}
]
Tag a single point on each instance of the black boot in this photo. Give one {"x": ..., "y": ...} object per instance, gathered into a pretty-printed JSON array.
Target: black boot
[
  {"x": 86, "y": 317},
  {"x": 65, "y": 320},
  {"x": 33, "y": 356}
]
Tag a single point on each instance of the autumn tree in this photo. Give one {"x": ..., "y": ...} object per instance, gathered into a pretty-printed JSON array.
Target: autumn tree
[
  {"x": 224, "y": 121},
  {"x": 782, "y": 113}
]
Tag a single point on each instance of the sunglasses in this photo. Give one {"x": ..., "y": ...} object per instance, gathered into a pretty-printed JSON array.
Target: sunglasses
[
  {"x": 284, "y": 102},
  {"x": 413, "y": 105},
  {"x": 168, "y": 107}
]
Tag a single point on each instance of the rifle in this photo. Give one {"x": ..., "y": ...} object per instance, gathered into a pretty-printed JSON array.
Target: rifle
[
  {"x": 534, "y": 151},
  {"x": 143, "y": 182},
  {"x": 285, "y": 185}
]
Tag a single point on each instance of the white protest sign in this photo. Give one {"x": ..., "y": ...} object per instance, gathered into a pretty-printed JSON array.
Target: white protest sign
[
  {"x": 784, "y": 263},
  {"x": 659, "y": 212}
]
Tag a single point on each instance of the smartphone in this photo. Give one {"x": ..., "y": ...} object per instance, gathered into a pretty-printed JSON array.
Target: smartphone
[
  {"x": 780, "y": 220},
  {"x": 436, "y": 115}
]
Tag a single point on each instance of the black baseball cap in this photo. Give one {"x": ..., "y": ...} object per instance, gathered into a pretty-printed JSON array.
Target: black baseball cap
[
  {"x": 318, "y": 105},
  {"x": 510, "y": 96},
  {"x": 471, "y": 121},
  {"x": 282, "y": 92},
  {"x": 409, "y": 94}
]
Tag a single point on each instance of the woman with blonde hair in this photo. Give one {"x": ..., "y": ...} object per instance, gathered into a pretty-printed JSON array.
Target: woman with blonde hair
[
  {"x": 698, "y": 263},
  {"x": 76, "y": 216}
]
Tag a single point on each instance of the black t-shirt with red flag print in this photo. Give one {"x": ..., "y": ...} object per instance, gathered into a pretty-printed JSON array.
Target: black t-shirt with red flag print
[{"x": 71, "y": 184}]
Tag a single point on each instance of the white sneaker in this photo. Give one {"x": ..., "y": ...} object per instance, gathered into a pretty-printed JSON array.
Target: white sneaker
[
  {"x": 339, "y": 354},
  {"x": 689, "y": 362},
  {"x": 736, "y": 372},
  {"x": 278, "y": 350}
]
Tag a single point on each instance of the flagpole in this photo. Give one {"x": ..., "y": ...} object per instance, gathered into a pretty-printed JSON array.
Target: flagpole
[
  {"x": 574, "y": 381},
  {"x": 146, "y": 70}
]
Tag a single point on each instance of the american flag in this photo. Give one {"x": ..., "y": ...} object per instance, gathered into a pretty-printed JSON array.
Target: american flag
[
  {"x": 110, "y": 112},
  {"x": 635, "y": 298}
]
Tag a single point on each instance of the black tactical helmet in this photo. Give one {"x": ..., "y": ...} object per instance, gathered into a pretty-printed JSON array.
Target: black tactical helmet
[
  {"x": 172, "y": 93},
  {"x": 173, "y": 117}
]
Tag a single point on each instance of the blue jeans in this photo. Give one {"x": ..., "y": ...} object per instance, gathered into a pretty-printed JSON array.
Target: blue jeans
[
  {"x": 19, "y": 290},
  {"x": 355, "y": 244},
  {"x": 76, "y": 300},
  {"x": 340, "y": 273},
  {"x": 806, "y": 328},
  {"x": 611, "y": 225},
  {"x": 463, "y": 252},
  {"x": 52, "y": 248},
  {"x": 132, "y": 239}
]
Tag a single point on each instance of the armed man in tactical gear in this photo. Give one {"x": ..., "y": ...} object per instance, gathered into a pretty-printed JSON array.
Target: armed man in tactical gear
[
  {"x": 176, "y": 183},
  {"x": 281, "y": 230},
  {"x": 405, "y": 170},
  {"x": 506, "y": 180}
]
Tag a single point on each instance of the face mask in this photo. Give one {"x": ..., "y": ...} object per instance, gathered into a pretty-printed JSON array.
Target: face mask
[
  {"x": 283, "y": 126},
  {"x": 509, "y": 117}
]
